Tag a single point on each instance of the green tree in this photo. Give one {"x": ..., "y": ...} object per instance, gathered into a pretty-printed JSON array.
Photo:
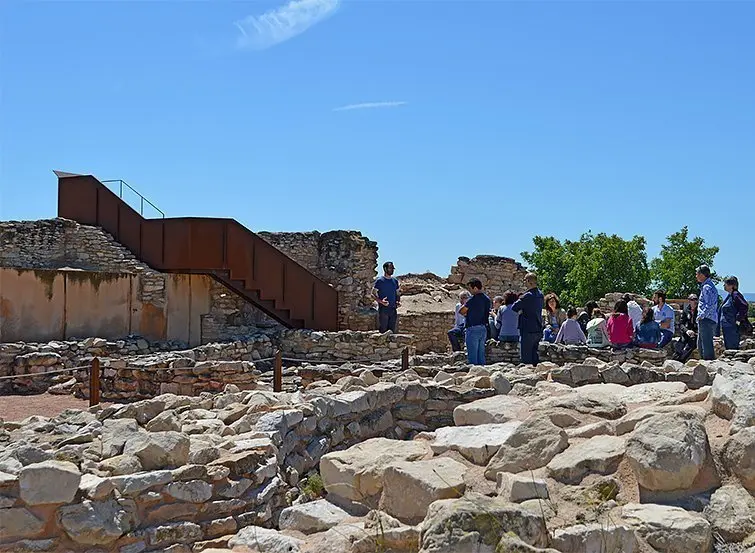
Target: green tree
[
  {"x": 551, "y": 261},
  {"x": 591, "y": 267},
  {"x": 674, "y": 268}
]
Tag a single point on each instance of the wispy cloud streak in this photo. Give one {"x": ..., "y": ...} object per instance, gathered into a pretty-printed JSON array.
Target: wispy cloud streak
[
  {"x": 370, "y": 105},
  {"x": 258, "y": 32}
]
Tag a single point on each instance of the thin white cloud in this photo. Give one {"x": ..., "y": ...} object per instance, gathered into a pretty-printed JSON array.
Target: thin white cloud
[
  {"x": 258, "y": 32},
  {"x": 370, "y": 105}
]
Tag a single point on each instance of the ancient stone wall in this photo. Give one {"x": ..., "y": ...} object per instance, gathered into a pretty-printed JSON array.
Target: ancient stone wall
[
  {"x": 178, "y": 470},
  {"x": 136, "y": 368},
  {"x": 61, "y": 243},
  {"x": 430, "y": 330},
  {"x": 344, "y": 259},
  {"x": 497, "y": 274}
]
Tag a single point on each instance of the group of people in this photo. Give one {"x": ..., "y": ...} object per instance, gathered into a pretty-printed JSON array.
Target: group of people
[{"x": 533, "y": 317}]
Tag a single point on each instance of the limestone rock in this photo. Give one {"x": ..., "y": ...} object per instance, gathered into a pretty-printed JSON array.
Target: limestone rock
[
  {"x": 16, "y": 523},
  {"x": 589, "y": 400},
  {"x": 532, "y": 445},
  {"x": 157, "y": 450},
  {"x": 669, "y": 529},
  {"x": 668, "y": 451},
  {"x": 134, "y": 484},
  {"x": 478, "y": 522},
  {"x": 264, "y": 540},
  {"x": 115, "y": 434},
  {"x": 600, "y": 428},
  {"x": 164, "y": 422},
  {"x": 733, "y": 397},
  {"x": 95, "y": 487},
  {"x": 595, "y": 538},
  {"x": 357, "y": 473},
  {"x": 601, "y": 454},
  {"x": 308, "y": 518},
  {"x": 174, "y": 532},
  {"x": 97, "y": 522},
  {"x": 193, "y": 491},
  {"x": 49, "y": 482},
  {"x": 121, "y": 465},
  {"x": 520, "y": 487},
  {"x": 731, "y": 513},
  {"x": 739, "y": 457},
  {"x": 500, "y": 383},
  {"x": 410, "y": 487},
  {"x": 496, "y": 409},
  {"x": 477, "y": 443}
]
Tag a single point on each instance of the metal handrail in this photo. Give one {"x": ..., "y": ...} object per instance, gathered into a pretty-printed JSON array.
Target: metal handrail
[{"x": 143, "y": 199}]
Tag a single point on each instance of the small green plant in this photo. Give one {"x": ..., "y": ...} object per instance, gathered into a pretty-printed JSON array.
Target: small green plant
[{"x": 313, "y": 487}]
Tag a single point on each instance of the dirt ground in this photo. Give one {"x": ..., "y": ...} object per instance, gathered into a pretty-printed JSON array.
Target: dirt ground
[{"x": 16, "y": 408}]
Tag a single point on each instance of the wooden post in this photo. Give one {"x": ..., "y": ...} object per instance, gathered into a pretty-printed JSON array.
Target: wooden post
[
  {"x": 405, "y": 359},
  {"x": 278, "y": 372},
  {"x": 94, "y": 383}
]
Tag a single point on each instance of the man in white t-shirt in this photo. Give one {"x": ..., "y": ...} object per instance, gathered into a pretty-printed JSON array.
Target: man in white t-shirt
[
  {"x": 634, "y": 309},
  {"x": 664, "y": 315}
]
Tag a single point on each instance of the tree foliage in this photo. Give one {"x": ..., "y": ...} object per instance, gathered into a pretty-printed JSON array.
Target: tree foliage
[
  {"x": 674, "y": 268},
  {"x": 591, "y": 267}
]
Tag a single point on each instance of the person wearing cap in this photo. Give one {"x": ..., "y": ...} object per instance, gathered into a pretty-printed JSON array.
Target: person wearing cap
[
  {"x": 386, "y": 292},
  {"x": 707, "y": 313},
  {"x": 688, "y": 325}
]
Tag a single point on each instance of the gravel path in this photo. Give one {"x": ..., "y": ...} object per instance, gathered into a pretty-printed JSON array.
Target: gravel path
[{"x": 16, "y": 408}]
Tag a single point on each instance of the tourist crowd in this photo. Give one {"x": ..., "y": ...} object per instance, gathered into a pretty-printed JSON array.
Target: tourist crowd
[{"x": 532, "y": 317}]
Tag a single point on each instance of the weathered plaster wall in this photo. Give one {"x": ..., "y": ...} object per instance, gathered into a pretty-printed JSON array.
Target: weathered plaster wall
[{"x": 43, "y": 305}]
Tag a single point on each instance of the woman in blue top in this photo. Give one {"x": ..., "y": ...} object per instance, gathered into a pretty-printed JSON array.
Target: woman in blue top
[
  {"x": 648, "y": 334},
  {"x": 733, "y": 313},
  {"x": 509, "y": 319}
]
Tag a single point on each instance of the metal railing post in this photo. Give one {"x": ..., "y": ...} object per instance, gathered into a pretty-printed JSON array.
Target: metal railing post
[{"x": 94, "y": 383}]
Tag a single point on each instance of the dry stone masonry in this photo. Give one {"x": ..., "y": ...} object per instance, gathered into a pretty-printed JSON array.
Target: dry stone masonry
[
  {"x": 429, "y": 460},
  {"x": 344, "y": 259},
  {"x": 497, "y": 274}
]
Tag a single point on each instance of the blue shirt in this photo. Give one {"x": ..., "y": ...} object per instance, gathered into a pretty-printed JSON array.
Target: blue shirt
[
  {"x": 478, "y": 309},
  {"x": 509, "y": 321},
  {"x": 665, "y": 313},
  {"x": 530, "y": 309},
  {"x": 648, "y": 333},
  {"x": 387, "y": 288},
  {"x": 707, "y": 306}
]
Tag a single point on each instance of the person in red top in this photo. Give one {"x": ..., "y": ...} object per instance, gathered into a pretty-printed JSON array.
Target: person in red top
[{"x": 620, "y": 327}]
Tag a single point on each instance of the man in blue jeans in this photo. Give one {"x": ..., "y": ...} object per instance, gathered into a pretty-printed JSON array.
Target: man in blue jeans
[
  {"x": 664, "y": 315},
  {"x": 476, "y": 311},
  {"x": 707, "y": 313},
  {"x": 530, "y": 309},
  {"x": 386, "y": 292}
]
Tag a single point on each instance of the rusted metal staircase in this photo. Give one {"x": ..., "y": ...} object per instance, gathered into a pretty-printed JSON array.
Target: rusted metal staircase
[{"x": 221, "y": 248}]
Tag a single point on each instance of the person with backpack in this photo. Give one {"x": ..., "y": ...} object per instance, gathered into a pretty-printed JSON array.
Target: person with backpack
[{"x": 687, "y": 341}]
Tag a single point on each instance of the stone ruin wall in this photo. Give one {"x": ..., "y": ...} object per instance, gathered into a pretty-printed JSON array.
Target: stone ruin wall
[
  {"x": 62, "y": 243},
  {"x": 202, "y": 486},
  {"x": 344, "y": 259},
  {"x": 136, "y": 368},
  {"x": 497, "y": 274}
]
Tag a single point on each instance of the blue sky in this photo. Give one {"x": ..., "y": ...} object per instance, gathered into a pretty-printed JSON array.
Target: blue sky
[{"x": 471, "y": 126}]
